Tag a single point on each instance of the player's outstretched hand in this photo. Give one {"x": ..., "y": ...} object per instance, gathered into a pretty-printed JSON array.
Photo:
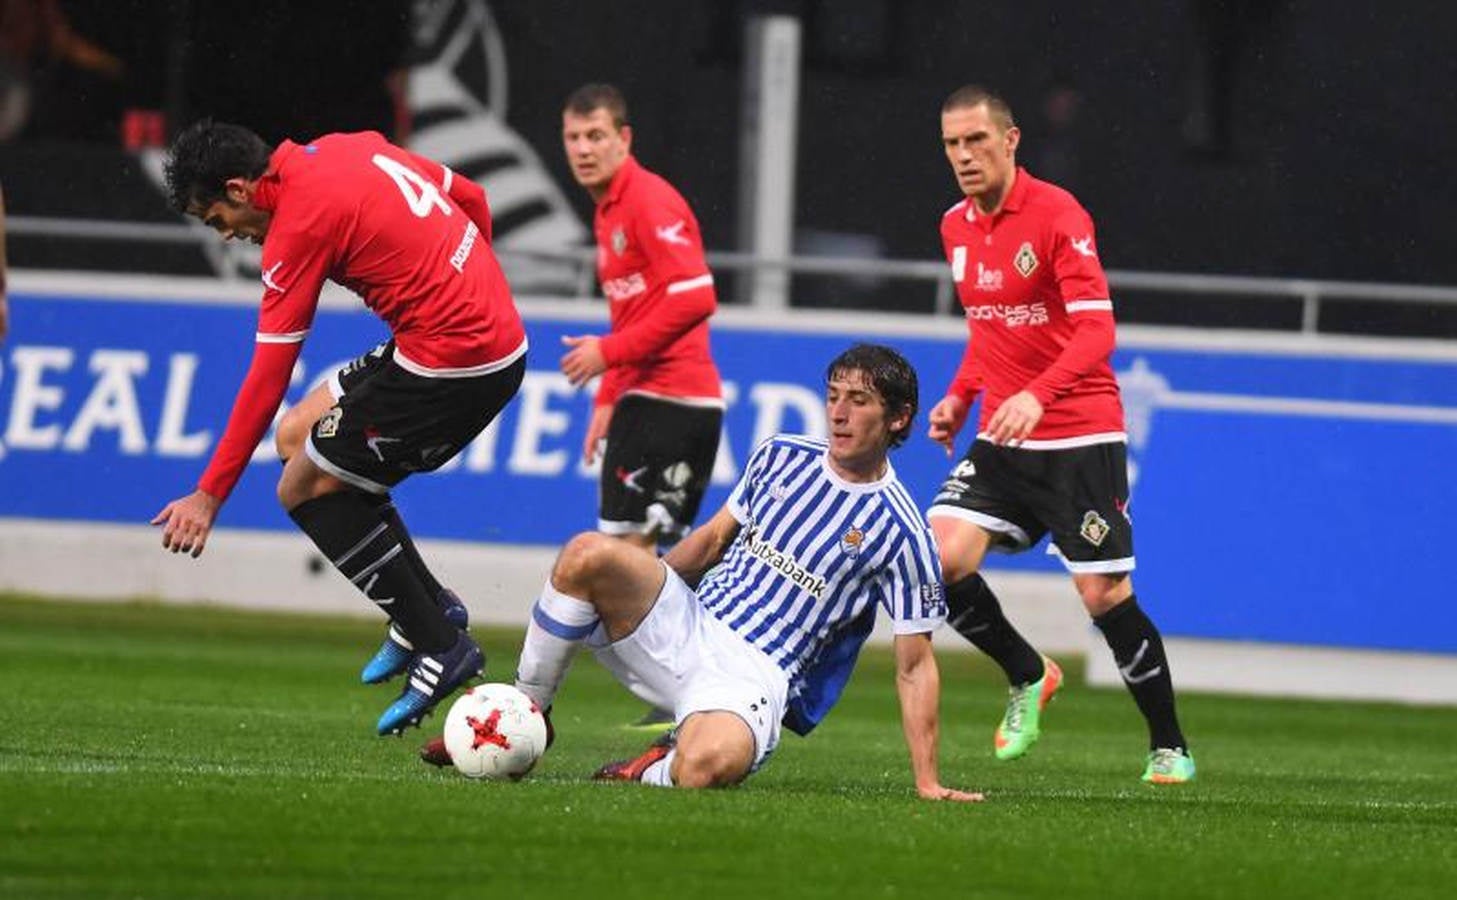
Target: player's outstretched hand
[
  {"x": 937, "y": 792},
  {"x": 946, "y": 419},
  {"x": 187, "y": 521},
  {"x": 1015, "y": 419},
  {"x": 584, "y": 361}
]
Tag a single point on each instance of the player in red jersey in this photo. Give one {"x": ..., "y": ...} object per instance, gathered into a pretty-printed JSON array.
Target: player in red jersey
[
  {"x": 1050, "y": 454},
  {"x": 413, "y": 240},
  {"x": 659, "y": 408},
  {"x": 660, "y": 405}
]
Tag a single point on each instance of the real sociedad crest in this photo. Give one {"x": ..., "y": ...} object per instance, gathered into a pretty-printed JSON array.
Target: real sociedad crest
[{"x": 851, "y": 541}]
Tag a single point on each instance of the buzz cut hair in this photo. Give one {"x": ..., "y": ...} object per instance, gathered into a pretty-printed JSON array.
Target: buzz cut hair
[
  {"x": 892, "y": 377},
  {"x": 594, "y": 96},
  {"x": 972, "y": 95},
  {"x": 203, "y": 159}
]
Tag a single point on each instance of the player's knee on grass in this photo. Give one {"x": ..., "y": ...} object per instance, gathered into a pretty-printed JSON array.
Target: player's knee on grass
[{"x": 714, "y": 750}]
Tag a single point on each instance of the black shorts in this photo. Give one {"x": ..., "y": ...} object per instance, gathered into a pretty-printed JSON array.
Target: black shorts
[
  {"x": 659, "y": 457},
  {"x": 1080, "y": 495},
  {"x": 388, "y": 422}
]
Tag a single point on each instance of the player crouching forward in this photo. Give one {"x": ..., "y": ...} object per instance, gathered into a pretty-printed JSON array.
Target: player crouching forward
[{"x": 787, "y": 576}]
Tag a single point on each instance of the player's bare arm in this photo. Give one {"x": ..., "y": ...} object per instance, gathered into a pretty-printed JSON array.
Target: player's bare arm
[
  {"x": 584, "y": 361},
  {"x": 918, "y": 684},
  {"x": 187, "y": 521},
  {"x": 596, "y": 432},
  {"x": 946, "y": 419},
  {"x": 703, "y": 547}
]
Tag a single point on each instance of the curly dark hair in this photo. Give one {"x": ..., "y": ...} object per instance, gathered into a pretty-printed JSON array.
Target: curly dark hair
[
  {"x": 890, "y": 374},
  {"x": 204, "y": 156}
]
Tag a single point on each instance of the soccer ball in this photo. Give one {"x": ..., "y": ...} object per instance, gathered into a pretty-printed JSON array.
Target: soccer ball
[{"x": 494, "y": 731}]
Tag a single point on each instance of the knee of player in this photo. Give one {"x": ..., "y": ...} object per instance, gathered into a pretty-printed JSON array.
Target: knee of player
[
  {"x": 293, "y": 430},
  {"x": 704, "y": 764},
  {"x": 581, "y": 559},
  {"x": 955, "y": 567},
  {"x": 1100, "y": 593}
]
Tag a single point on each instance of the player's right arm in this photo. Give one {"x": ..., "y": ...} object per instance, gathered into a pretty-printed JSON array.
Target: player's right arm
[
  {"x": 295, "y": 264},
  {"x": 949, "y": 415},
  {"x": 703, "y": 547}
]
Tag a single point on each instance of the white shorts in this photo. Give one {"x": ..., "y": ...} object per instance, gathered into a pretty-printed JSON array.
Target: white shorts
[{"x": 682, "y": 657}]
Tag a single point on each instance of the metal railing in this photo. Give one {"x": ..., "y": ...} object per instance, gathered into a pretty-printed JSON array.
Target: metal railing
[{"x": 1311, "y": 293}]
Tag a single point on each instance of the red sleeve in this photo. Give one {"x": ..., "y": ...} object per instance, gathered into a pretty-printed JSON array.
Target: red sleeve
[
  {"x": 468, "y": 195},
  {"x": 967, "y": 382},
  {"x": 1084, "y": 291},
  {"x": 669, "y": 236},
  {"x": 609, "y": 390},
  {"x": 258, "y": 399},
  {"x": 297, "y": 256}
]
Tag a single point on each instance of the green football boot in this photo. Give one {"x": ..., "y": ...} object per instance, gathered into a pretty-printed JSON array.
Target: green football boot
[
  {"x": 1021, "y": 725},
  {"x": 1169, "y": 766}
]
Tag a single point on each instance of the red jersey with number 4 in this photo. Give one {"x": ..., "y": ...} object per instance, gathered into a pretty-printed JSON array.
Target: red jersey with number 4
[
  {"x": 407, "y": 235},
  {"x": 659, "y": 292},
  {"x": 1038, "y": 312}
]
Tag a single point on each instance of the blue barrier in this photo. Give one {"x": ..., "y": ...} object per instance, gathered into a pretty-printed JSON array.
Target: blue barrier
[{"x": 1280, "y": 495}]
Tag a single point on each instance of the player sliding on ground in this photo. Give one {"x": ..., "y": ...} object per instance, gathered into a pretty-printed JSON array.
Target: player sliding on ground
[{"x": 757, "y": 617}]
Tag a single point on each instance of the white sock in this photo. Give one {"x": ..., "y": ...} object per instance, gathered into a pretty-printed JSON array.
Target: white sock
[
  {"x": 659, "y": 774},
  {"x": 559, "y": 624}
]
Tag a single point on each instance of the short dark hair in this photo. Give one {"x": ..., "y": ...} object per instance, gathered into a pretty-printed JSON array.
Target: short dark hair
[
  {"x": 890, "y": 374},
  {"x": 205, "y": 155},
  {"x": 970, "y": 95},
  {"x": 589, "y": 97}
]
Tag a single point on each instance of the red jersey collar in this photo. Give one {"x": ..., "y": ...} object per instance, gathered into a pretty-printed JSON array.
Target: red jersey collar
[
  {"x": 265, "y": 195},
  {"x": 1013, "y": 202},
  {"x": 620, "y": 178}
]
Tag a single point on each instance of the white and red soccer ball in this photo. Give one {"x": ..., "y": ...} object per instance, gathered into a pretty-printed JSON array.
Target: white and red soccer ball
[{"x": 494, "y": 731}]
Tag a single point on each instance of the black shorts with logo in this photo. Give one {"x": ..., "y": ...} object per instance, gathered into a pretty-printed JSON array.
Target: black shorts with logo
[
  {"x": 389, "y": 422},
  {"x": 659, "y": 457},
  {"x": 1079, "y": 494}
]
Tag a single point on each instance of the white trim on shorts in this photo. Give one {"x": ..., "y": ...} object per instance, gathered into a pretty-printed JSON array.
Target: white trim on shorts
[
  {"x": 1068, "y": 443},
  {"x": 495, "y": 365},
  {"x": 344, "y": 475},
  {"x": 990, "y": 523}
]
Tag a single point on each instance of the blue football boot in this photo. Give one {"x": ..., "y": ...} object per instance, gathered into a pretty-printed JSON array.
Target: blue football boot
[
  {"x": 432, "y": 678},
  {"x": 394, "y": 654}
]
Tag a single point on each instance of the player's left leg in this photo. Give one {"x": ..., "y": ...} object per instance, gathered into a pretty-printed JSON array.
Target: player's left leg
[
  {"x": 394, "y": 653},
  {"x": 1138, "y": 650}
]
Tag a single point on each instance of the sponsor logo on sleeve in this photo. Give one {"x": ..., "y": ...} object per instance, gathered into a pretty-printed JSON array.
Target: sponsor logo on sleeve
[
  {"x": 1084, "y": 246},
  {"x": 673, "y": 234},
  {"x": 958, "y": 263},
  {"x": 268, "y": 275}
]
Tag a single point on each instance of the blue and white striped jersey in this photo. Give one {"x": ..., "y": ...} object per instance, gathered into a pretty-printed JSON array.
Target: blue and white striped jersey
[{"x": 816, "y": 553}]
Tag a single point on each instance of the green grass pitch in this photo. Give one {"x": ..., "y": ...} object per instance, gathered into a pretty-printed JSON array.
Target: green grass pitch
[{"x": 151, "y": 751}]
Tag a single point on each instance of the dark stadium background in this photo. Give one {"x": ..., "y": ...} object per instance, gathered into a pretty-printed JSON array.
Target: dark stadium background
[{"x": 1253, "y": 137}]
